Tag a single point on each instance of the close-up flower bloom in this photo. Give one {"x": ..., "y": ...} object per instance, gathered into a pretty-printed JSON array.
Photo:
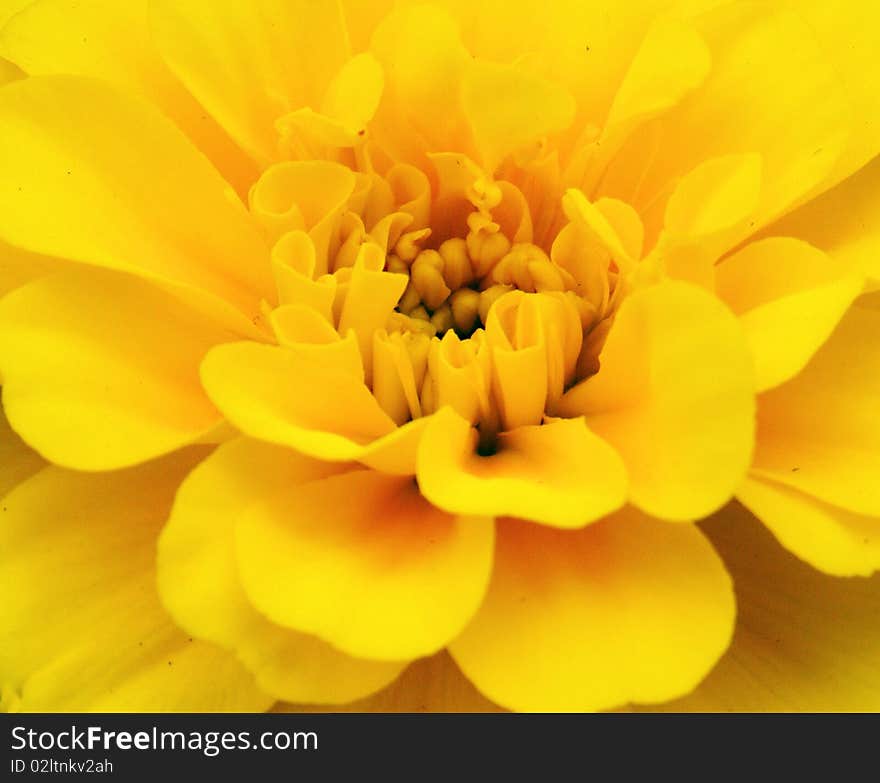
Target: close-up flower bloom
[{"x": 460, "y": 356}]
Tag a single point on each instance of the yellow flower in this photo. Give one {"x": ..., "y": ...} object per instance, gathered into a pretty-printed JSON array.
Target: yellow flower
[{"x": 438, "y": 327}]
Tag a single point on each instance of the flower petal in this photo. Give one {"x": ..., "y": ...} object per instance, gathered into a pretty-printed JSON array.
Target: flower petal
[
  {"x": 735, "y": 113},
  {"x": 251, "y": 63},
  {"x": 432, "y": 684},
  {"x": 10, "y": 8},
  {"x": 111, "y": 40},
  {"x": 93, "y": 380},
  {"x": 200, "y": 586},
  {"x": 81, "y": 627},
  {"x": 789, "y": 297},
  {"x": 421, "y": 111},
  {"x": 844, "y": 222},
  {"x": 586, "y": 47},
  {"x": 820, "y": 432},
  {"x": 508, "y": 107},
  {"x": 18, "y": 267},
  {"x": 672, "y": 61},
  {"x": 849, "y": 40},
  {"x": 17, "y": 461},
  {"x": 628, "y": 609},
  {"x": 674, "y": 397},
  {"x": 558, "y": 473},
  {"x": 804, "y": 641},
  {"x": 129, "y": 192},
  {"x": 406, "y": 577},
  {"x": 303, "y": 194},
  {"x": 715, "y": 196},
  {"x": 828, "y": 538},
  {"x": 9, "y": 72},
  {"x": 293, "y": 399}
]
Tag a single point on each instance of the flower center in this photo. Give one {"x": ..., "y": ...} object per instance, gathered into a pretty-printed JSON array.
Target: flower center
[
  {"x": 455, "y": 285},
  {"x": 444, "y": 298}
]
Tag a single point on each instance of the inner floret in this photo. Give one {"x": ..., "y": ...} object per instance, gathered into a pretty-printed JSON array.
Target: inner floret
[{"x": 441, "y": 297}]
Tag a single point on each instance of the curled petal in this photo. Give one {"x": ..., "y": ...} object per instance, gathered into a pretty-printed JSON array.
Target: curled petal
[
  {"x": 558, "y": 473},
  {"x": 291, "y": 399}
]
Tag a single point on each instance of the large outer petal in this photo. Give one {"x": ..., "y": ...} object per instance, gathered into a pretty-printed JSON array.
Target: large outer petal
[
  {"x": 844, "y": 222},
  {"x": 628, "y": 609},
  {"x": 101, "y": 370},
  {"x": 849, "y": 40},
  {"x": 128, "y": 192},
  {"x": 200, "y": 585},
  {"x": 673, "y": 395},
  {"x": 111, "y": 40},
  {"x": 804, "y": 641},
  {"x": 81, "y": 627},
  {"x": 820, "y": 432},
  {"x": 364, "y": 562},
  {"x": 250, "y": 63},
  {"x": 768, "y": 66}
]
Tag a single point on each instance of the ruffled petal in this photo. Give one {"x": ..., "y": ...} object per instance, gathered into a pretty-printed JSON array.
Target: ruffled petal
[
  {"x": 110, "y": 40},
  {"x": 422, "y": 108},
  {"x": 251, "y": 63},
  {"x": 81, "y": 627},
  {"x": 585, "y": 47},
  {"x": 672, "y": 60},
  {"x": 406, "y": 577},
  {"x": 200, "y": 586},
  {"x": 674, "y": 396},
  {"x": 508, "y": 108},
  {"x": 844, "y": 222},
  {"x": 628, "y": 609},
  {"x": 735, "y": 113},
  {"x": 293, "y": 399},
  {"x": 129, "y": 192},
  {"x": 849, "y": 41},
  {"x": 93, "y": 379},
  {"x": 558, "y": 473},
  {"x": 789, "y": 297}
]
